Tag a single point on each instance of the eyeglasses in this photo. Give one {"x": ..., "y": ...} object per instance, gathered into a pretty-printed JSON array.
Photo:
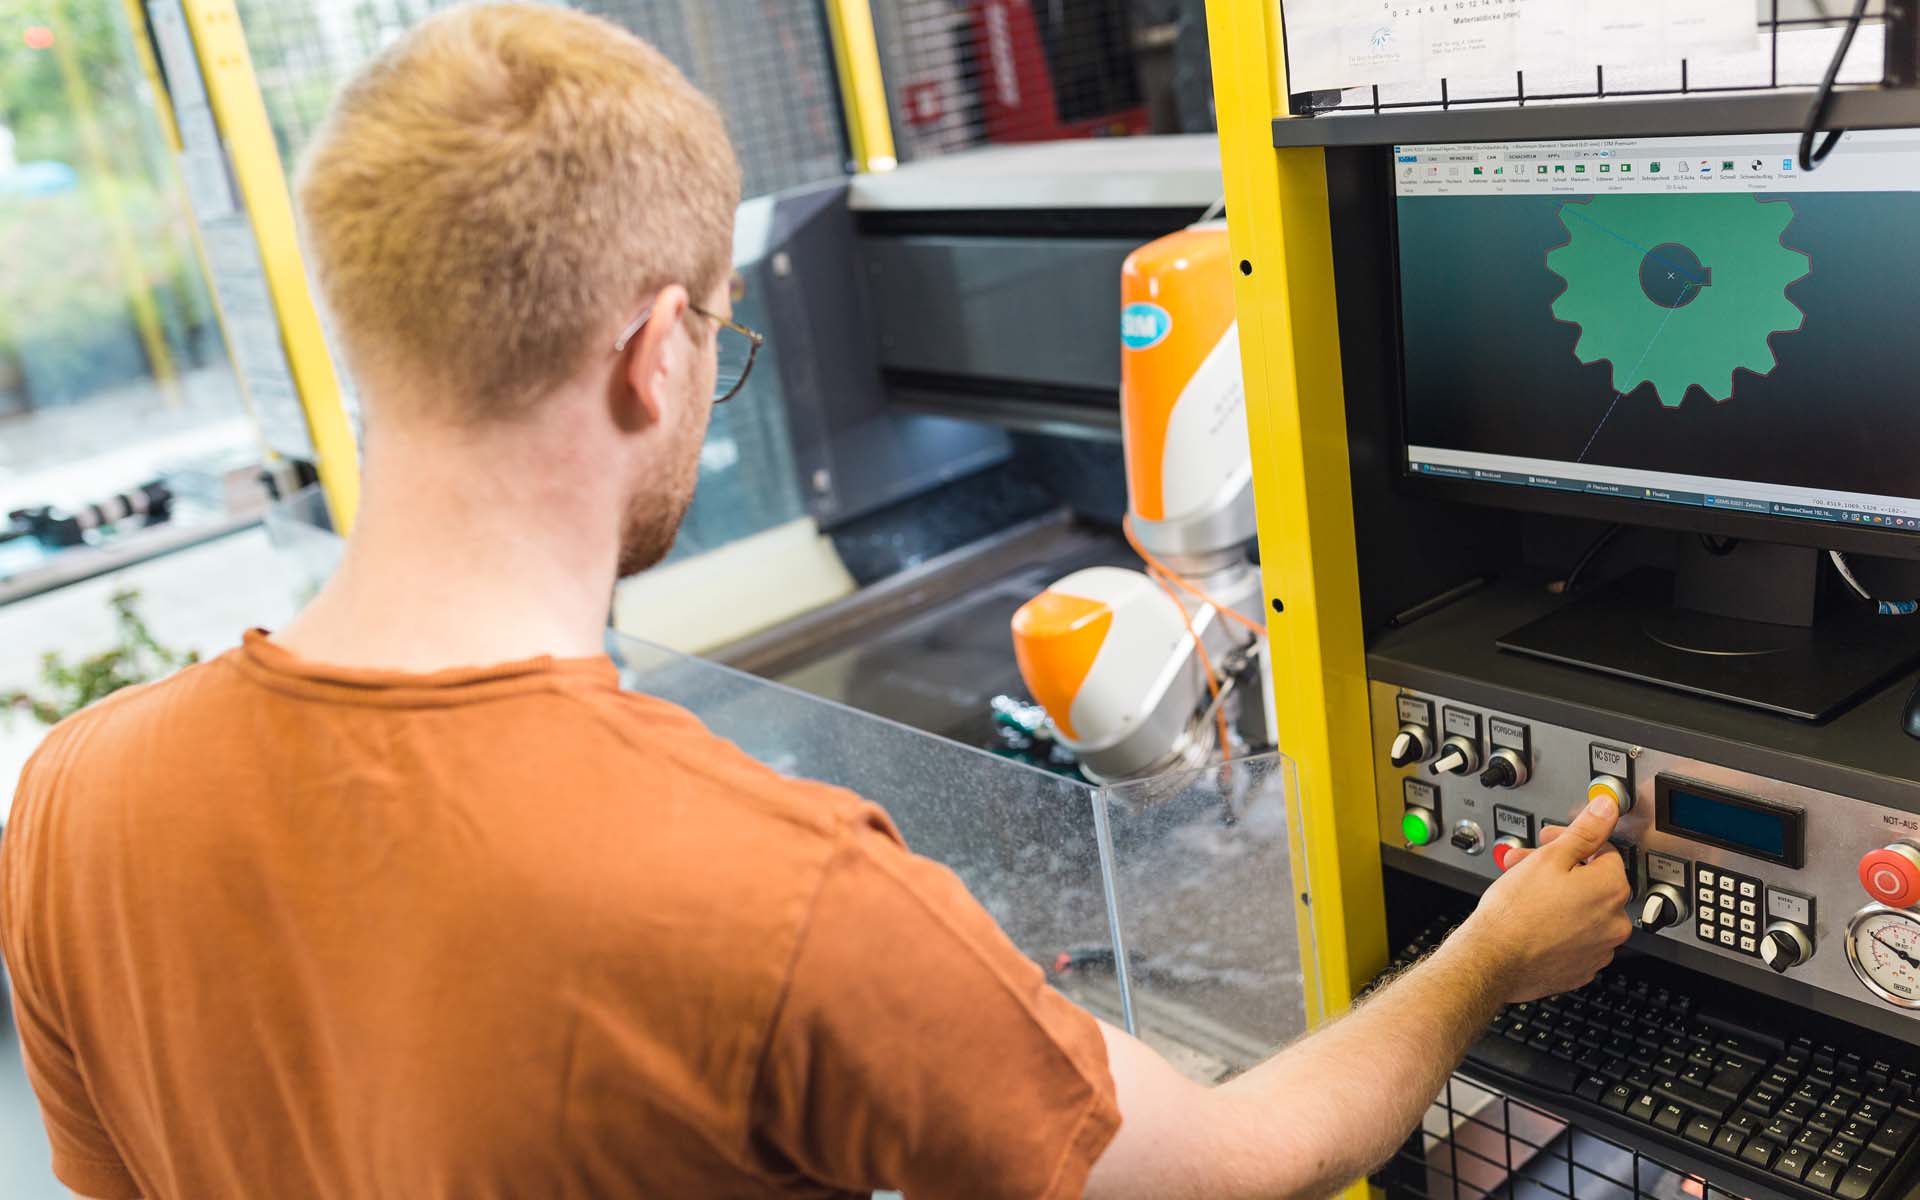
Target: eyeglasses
[{"x": 738, "y": 347}]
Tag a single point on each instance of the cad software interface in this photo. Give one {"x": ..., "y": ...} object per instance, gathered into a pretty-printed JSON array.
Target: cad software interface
[{"x": 1687, "y": 321}]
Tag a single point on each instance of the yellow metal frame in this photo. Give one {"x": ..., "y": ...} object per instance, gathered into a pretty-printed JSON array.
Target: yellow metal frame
[
  {"x": 241, "y": 115},
  {"x": 1279, "y": 227},
  {"x": 863, "y": 88}
]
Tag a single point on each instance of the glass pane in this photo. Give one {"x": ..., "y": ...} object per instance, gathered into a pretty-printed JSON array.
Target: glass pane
[
  {"x": 992, "y": 72},
  {"x": 1022, "y": 840},
  {"x": 113, "y": 371},
  {"x": 1204, "y": 891}
]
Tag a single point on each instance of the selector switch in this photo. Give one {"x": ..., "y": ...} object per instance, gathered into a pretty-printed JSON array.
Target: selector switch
[
  {"x": 1460, "y": 752},
  {"x": 1663, "y": 907},
  {"x": 1510, "y": 764},
  {"x": 1468, "y": 837},
  {"x": 1415, "y": 741},
  {"x": 1785, "y": 946}
]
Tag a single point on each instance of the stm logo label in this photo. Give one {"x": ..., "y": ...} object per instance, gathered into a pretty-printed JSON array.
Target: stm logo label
[{"x": 1144, "y": 326}]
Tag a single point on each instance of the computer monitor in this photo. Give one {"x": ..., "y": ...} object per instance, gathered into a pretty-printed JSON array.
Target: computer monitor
[
  {"x": 1685, "y": 332},
  {"x": 1677, "y": 331}
]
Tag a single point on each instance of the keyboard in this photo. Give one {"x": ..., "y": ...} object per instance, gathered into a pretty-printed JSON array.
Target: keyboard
[{"x": 1807, "y": 1117}]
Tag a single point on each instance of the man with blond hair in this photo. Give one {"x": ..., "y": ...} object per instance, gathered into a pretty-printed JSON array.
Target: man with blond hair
[{"x": 411, "y": 900}]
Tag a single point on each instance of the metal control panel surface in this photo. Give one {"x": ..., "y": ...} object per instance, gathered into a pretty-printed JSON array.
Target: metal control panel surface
[{"x": 1814, "y": 885}]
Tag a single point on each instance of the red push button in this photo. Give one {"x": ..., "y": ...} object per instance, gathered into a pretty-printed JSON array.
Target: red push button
[
  {"x": 1503, "y": 850},
  {"x": 1891, "y": 875}
]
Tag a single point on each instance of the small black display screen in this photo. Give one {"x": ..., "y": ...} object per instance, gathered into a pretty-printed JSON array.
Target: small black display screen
[{"x": 1725, "y": 819}]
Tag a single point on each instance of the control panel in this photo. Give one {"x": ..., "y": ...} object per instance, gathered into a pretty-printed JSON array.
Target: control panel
[{"x": 1819, "y": 887}]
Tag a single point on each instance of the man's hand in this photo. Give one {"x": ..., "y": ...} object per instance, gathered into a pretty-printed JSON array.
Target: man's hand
[{"x": 1551, "y": 922}]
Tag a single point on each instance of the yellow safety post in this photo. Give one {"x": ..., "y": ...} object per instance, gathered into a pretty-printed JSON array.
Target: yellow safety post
[
  {"x": 241, "y": 115},
  {"x": 863, "y": 87},
  {"x": 1279, "y": 227},
  {"x": 146, "y": 318}
]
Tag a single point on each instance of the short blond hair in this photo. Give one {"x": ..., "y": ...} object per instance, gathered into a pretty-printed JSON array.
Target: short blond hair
[{"x": 500, "y": 188}]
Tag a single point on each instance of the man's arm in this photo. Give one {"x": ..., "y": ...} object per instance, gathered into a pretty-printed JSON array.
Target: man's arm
[{"x": 1328, "y": 1109}]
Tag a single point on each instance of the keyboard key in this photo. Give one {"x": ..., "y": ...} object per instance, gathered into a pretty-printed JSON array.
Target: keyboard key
[
  {"x": 1760, "y": 1152},
  {"x": 1541, "y": 1070},
  {"x": 1763, "y": 1101},
  {"x": 1867, "y": 1172},
  {"x": 1822, "y": 1175},
  {"x": 1671, "y": 1118},
  {"x": 1731, "y": 1081},
  {"x": 1810, "y": 1140},
  {"x": 1701, "y": 1130},
  {"x": 1698, "y": 1099},
  {"x": 1728, "y": 1140},
  {"x": 1893, "y": 1133},
  {"x": 1872, "y": 1112},
  {"x": 1859, "y": 1131},
  {"x": 1781, "y": 1130},
  {"x": 1798, "y": 1110},
  {"x": 1591, "y": 1088},
  {"x": 1619, "y": 1097},
  {"x": 1644, "y": 1107},
  {"x": 1792, "y": 1163}
]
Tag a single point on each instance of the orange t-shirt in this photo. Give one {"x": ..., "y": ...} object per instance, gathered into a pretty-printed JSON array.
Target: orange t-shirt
[{"x": 284, "y": 930}]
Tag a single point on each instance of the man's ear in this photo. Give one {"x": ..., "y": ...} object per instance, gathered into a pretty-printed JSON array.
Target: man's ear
[{"x": 651, "y": 361}]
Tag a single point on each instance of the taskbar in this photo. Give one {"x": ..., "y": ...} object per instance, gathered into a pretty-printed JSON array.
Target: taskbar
[{"x": 1660, "y": 495}]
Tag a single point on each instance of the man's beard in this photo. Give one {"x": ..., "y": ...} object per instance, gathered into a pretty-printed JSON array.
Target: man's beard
[
  {"x": 653, "y": 517},
  {"x": 651, "y": 524}
]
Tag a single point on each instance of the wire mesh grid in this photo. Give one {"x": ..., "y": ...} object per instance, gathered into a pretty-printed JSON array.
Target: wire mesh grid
[
  {"x": 1476, "y": 1142},
  {"x": 964, "y": 73},
  {"x": 767, "y": 63},
  {"x": 1794, "y": 42}
]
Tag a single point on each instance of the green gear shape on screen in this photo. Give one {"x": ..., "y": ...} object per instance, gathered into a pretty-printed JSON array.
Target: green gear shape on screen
[{"x": 1677, "y": 290}]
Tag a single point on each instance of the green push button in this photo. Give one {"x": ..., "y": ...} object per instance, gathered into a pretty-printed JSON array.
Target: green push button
[{"x": 1420, "y": 826}]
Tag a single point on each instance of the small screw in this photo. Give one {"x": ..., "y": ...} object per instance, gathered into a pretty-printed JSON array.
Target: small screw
[
  {"x": 822, "y": 481},
  {"x": 782, "y": 265}
]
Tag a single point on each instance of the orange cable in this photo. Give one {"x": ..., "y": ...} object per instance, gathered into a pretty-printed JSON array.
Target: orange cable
[
  {"x": 1185, "y": 585},
  {"x": 1206, "y": 663}
]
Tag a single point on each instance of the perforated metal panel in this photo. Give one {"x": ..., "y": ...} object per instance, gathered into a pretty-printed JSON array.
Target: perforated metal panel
[{"x": 768, "y": 63}]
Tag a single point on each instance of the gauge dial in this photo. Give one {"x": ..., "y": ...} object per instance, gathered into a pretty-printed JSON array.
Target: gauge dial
[{"x": 1883, "y": 946}]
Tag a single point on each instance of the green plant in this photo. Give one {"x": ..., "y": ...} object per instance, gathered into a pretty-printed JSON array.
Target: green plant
[{"x": 137, "y": 658}]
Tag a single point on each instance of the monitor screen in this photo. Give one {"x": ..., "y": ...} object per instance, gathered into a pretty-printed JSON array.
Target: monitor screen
[{"x": 1683, "y": 321}]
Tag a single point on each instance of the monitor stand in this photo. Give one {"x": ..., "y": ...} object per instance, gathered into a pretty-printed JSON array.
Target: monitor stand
[{"x": 1755, "y": 627}]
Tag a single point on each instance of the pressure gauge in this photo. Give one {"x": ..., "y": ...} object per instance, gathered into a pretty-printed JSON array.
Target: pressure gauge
[{"x": 1883, "y": 946}]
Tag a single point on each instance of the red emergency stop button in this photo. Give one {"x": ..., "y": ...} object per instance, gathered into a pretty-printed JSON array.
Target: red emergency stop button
[
  {"x": 1891, "y": 874},
  {"x": 1503, "y": 850}
]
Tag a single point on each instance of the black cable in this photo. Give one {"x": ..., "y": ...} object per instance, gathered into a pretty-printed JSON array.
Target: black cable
[
  {"x": 1817, "y": 115},
  {"x": 1580, "y": 565}
]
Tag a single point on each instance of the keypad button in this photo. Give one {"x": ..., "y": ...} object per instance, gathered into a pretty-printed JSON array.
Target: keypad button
[
  {"x": 1760, "y": 1152},
  {"x": 1726, "y": 937},
  {"x": 1706, "y": 877},
  {"x": 1792, "y": 1163},
  {"x": 1706, "y": 931},
  {"x": 1823, "y": 1174},
  {"x": 1749, "y": 926},
  {"x": 1748, "y": 890},
  {"x": 1726, "y": 884},
  {"x": 1749, "y": 945},
  {"x": 1749, "y": 909},
  {"x": 1726, "y": 918}
]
